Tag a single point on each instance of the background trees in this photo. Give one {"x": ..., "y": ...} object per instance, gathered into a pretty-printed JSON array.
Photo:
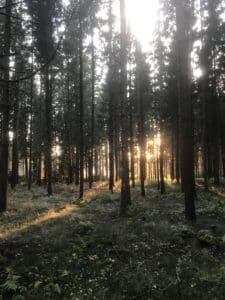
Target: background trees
[{"x": 82, "y": 100}]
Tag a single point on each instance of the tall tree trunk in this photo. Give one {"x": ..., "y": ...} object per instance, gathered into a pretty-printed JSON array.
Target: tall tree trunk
[
  {"x": 117, "y": 155},
  {"x": 70, "y": 165},
  {"x": 40, "y": 149},
  {"x": 161, "y": 162},
  {"x": 5, "y": 105},
  {"x": 125, "y": 186},
  {"x": 39, "y": 168},
  {"x": 222, "y": 137},
  {"x": 68, "y": 127},
  {"x": 15, "y": 162},
  {"x": 111, "y": 104},
  {"x": 177, "y": 149},
  {"x": 204, "y": 94},
  {"x": 132, "y": 170},
  {"x": 92, "y": 104},
  {"x": 106, "y": 161},
  {"x": 157, "y": 168},
  {"x": 216, "y": 127},
  {"x": 161, "y": 100},
  {"x": 141, "y": 121},
  {"x": 77, "y": 166},
  {"x": 31, "y": 134},
  {"x": 96, "y": 163},
  {"x": 172, "y": 171},
  {"x": 81, "y": 107},
  {"x": 48, "y": 116},
  {"x": 185, "y": 106}
]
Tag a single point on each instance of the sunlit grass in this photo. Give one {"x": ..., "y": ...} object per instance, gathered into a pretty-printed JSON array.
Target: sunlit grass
[
  {"x": 30, "y": 208},
  {"x": 49, "y": 215},
  {"x": 71, "y": 249}
]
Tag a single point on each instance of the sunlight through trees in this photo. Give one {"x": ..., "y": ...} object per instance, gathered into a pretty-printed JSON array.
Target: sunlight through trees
[{"x": 117, "y": 91}]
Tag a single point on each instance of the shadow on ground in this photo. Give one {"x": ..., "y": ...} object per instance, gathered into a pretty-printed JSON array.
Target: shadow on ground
[{"x": 85, "y": 250}]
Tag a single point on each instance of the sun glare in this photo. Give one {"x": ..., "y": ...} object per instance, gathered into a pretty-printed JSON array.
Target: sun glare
[
  {"x": 142, "y": 16},
  {"x": 66, "y": 2}
]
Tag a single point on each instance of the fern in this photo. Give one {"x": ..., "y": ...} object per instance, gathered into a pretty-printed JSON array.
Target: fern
[{"x": 12, "y": 281}]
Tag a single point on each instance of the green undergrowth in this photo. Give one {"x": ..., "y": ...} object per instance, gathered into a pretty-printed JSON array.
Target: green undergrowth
[{"x": 88, "y": 251}]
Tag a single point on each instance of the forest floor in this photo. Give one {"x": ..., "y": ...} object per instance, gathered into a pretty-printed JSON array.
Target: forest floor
[{"x": 60, "y": 248}]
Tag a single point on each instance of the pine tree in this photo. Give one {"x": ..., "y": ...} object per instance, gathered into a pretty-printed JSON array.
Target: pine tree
[
  {"x": 185, "y": 106},
  {"x": 5, "y": 107},
  {"x": 125, "y": 185}
]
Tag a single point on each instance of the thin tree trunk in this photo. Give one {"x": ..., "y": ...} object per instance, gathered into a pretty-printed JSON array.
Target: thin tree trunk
[
  {"x": 177, "y": 151},
  {"x": 117, "y": 159},
  {"x": 132, "y": 170},
  {"x": 48, "y": 116},
  {"x": 77, "y": 167},
  {"x": 216, "y": 128},
  {"x": 31, "y": 135},
  {"x": 161, "y": 163},
  {"x": 39, "y": 168},
  {"x": 96, "y": 160},
  {"x": 141, "y": 121},
  {"x": 172, "y": 171},
  {"x": 125, "y": 185},
  {"x": 92, "y": 106},
  {"x": 111, "y": 105},
  {"x": 15, "y": 162},
  {"x": 81, "y": 108},
  {"x": 157, "y": 168}
]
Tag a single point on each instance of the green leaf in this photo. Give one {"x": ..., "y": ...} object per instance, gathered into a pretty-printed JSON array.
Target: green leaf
[
  {"x": 37, "y": 284},
  {"x": 10, "y": 285},
  {"x": 65, "y": 273},
  {"x": 57, "y": 288}
]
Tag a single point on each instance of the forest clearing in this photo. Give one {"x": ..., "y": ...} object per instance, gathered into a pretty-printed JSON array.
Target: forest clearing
[{"x": 63, "y": 248}]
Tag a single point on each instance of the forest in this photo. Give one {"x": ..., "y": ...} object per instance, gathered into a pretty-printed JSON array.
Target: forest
[{"x": 112, "y": 149}]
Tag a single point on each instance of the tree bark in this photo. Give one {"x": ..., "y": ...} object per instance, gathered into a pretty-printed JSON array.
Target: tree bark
[
  {"x": 161, "y": 163},
  {"x": 185, "y": 106},
  {"x": 81, "y": 108},
  {"x": 4, "y": 151},
  {"x": 141, "y": 121},
  {"x": 31, "y": 134},
  {"x": 15, "y": 162},
  {"x": 172, "y": 170},
  {"x": 48, "y": 116},
  {"x": 111, "y": 104},
  {"x": 91, "y": 178},
  {"x": 132, "y": 169},
  {"x": 125, "y": 185}
]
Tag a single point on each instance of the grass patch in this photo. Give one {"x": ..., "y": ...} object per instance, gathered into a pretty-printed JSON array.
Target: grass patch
[{"x": 55, "y": 249}]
